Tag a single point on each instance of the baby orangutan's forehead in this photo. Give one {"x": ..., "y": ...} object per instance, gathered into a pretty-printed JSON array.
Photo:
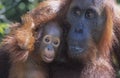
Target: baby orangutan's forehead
[{"x": 52, "y": 29}]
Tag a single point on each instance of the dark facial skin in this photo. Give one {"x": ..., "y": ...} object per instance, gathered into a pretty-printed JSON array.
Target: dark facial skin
[
  {"x": 87, "y": 23},
  {"x": 50, "y": 42}
]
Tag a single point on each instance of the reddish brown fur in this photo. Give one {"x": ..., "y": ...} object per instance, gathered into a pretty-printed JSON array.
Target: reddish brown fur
[
  {"x": 24, "y": 34},
  {"x": 15, "y": 43},
  {"x": 48, "y": 10},
  {"x": 105, "y": 43}
]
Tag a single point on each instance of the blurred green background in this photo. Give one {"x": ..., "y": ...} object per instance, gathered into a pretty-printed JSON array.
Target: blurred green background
[{"x": 11, "y": 10}]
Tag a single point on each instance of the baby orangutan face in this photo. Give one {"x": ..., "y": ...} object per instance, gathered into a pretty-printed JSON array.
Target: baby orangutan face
[{"x": 50, "y": 42}]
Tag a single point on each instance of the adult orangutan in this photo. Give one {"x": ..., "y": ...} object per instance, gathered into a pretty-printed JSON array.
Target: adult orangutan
[{"x": 90, "y": 40}]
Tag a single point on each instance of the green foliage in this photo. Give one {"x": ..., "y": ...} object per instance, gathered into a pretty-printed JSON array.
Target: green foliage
[
  {"x": 3, "y": 27},
  {"x": 12, "y": 10}
]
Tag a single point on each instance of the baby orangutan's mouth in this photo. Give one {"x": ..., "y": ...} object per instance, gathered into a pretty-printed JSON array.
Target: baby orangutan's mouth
[{"x": 48, "y": 59}]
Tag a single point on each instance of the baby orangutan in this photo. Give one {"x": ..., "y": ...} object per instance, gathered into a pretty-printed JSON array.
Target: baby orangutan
[{"x": 46, "y": 48}]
